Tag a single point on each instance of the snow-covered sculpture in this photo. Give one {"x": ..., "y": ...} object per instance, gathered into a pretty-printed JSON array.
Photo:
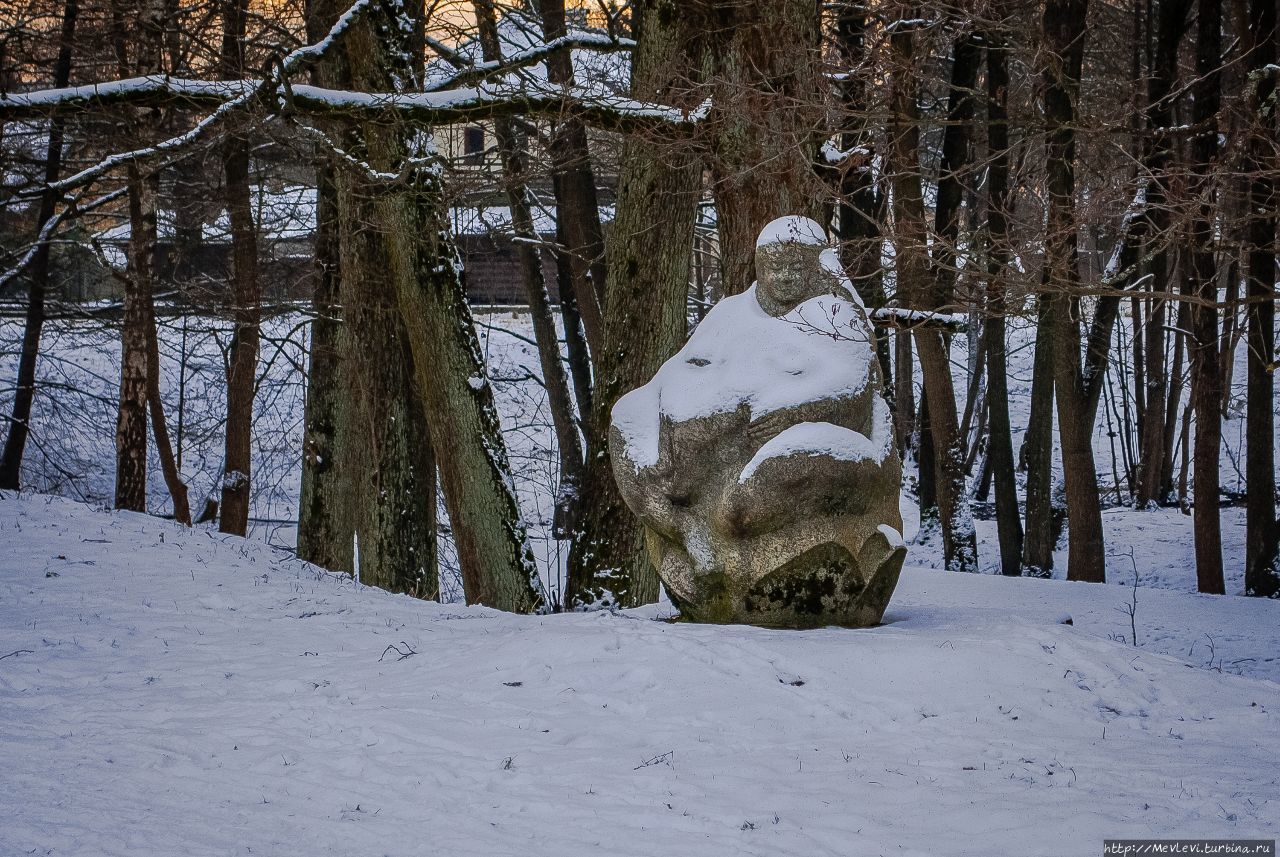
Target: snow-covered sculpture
[{"x": 760, "y": 457}]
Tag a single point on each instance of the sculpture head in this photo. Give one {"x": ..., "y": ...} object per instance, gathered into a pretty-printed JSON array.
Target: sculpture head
[{"x": 789, "y": 268}]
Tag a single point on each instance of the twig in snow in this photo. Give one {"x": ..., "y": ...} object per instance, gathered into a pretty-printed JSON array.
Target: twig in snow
[
  {"x": 660, "y": 759},
  {"x": 406, "y": 652},
  {"x": 1132, "y": 607},
  {"x": 17, "y": 652}
]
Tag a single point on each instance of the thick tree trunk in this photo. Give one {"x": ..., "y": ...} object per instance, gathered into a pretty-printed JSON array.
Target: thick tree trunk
[
  {"x": 370, "y": 484},
  {"x": 385, "y": 451},
  {"x": 38, "y": 274},
  {"x": 322, "y": 538},
  {"x": 1206, "y": 389},
  {"x": 1064, "y": 33},
  {"x": 497, "y": 564},
  {"x": 421, "y": 263},
  {"x": 1262, "y": 534},
  {"x": 1000, "y": 449},
  {"x": 131, "y": 417},
  {"x": 246, "y": 311},
  {"x": 649, "y": 255},
  {"x": 767, "y": 101}
]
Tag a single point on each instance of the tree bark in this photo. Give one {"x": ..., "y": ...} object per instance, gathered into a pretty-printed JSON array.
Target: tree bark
[
  {"x": 322, "y": 537},
  {"x": 1000, "y": 445},
  {"x": 246, "y": 311},
  {"x": 649, "y": 256},
  {"x": 1064, "y": 32},
  {"x": 131, "y": 416},
  {"x": 766, "y": 122},
  {"x": 139, "y": 316},
  {"x": 1037, "y": 454},
  {"x": 370, "y": 498},
  {"x": 1154, "y": 440},
  {"x": 421, "y": 263},
  {"x": 1206, "y": 382},
  {"x": 1262, "y": 534}
]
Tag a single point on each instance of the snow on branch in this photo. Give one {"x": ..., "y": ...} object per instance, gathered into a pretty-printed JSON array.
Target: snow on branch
[
  {"x": 908, "y": 318},
  {"x": 617, "y": 113},
  {"x": 426, "y": 108},
  {"x": 240, "y": 96},
  {"x": 133, "y": 91},
  {"x": 470, "y": 73}
]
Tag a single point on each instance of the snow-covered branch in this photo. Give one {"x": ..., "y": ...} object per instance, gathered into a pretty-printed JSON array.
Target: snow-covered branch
[
  {"x": 907, "y": 318},
  {"x": 239, "y": 95},
  {"x": 468, "y": 73},
  {"x": 426, "y": 108}
]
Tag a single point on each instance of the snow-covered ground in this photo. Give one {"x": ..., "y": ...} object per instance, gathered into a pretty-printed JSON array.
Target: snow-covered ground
[{"x": 167, "y": 691}]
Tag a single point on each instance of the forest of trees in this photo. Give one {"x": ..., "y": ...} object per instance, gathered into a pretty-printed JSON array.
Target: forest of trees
[{"x": 1106, "y": 169}]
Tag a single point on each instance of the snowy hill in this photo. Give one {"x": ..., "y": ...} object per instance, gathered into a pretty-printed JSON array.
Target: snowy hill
[{"x": 178, "y": 692}]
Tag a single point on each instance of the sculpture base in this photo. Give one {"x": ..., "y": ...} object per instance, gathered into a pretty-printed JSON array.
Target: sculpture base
[{"x": 825, "y": 585}]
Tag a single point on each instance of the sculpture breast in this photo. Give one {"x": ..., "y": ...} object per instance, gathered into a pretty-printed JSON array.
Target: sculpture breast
[{"x": 760, "y": 458}]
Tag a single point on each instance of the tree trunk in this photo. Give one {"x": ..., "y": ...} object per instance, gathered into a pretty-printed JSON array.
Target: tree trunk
[
  {"x": 38, "y": 273},
  {"x": 372, "y": 468},
  {"x": 904, "y": 394},
  {"x": 322, "y": 538},
  {"x": 245, "y": 294},
  {"x": 1000, "y": 448},
  {"x": 1064, "y": 32},
  {"x": 419, "y": 257},
  {"x": 956, "y": 140},
  {"x": 1037, "y": 454},
  {"x": 1206, "y": 389},
  {"x": 649, "y": 255},
  {"x": 1154, "y": 441},
  {"x": 160, "y": 426},
  {"x": 1262, "y": 534},
  {"x": 131, "y": 417},
  {"x": 385, "y": 452},
  {"x": 767, "y": 101}
]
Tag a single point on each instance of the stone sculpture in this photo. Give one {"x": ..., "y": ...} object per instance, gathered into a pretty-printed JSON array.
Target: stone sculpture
[{"x": 760, "y": 457}]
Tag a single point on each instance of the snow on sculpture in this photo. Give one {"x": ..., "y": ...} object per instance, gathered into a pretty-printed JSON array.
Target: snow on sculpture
[{"x": 760, "y": 457}]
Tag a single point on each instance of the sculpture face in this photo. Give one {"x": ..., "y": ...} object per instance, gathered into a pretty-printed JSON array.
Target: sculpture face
[{"x": 760, "y": 457}]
